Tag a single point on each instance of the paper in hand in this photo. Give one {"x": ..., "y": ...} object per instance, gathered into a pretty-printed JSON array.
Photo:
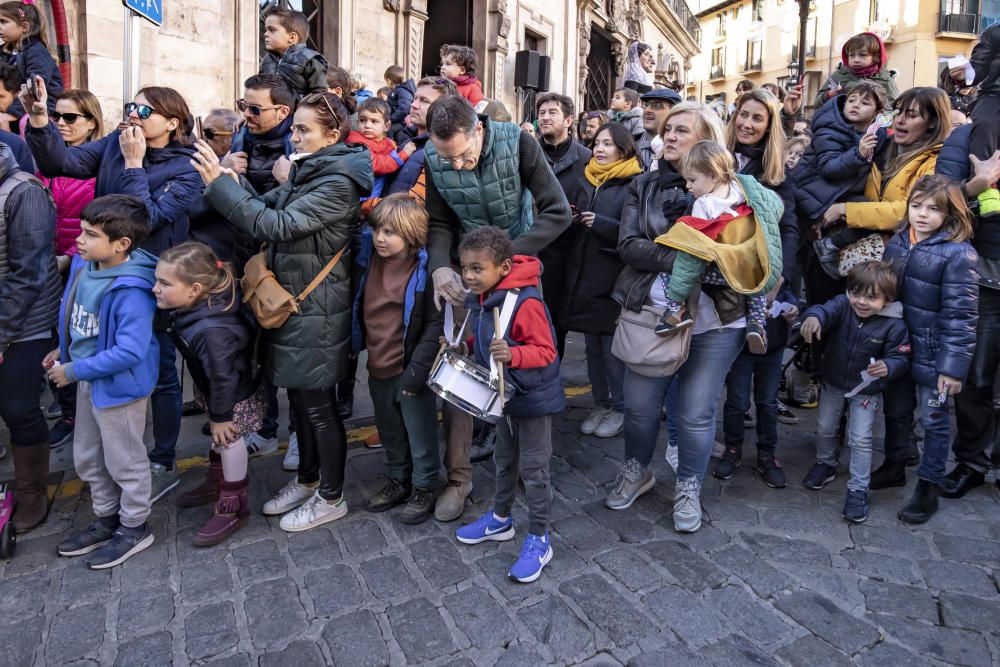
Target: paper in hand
[
  {"x": 866, "y": 380},
  {"x": 779, "y": 308}
]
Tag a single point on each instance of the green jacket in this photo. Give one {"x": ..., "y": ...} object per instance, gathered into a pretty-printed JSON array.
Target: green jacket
[
  {"x": 768, "y": 208},
  {"x": 305, "y": 221},
  {"x": 844, "y": 77},
  {"x": 490, "y": 194}
]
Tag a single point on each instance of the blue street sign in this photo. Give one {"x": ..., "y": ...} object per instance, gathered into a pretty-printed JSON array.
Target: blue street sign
[{"x": 151, "y": 10}]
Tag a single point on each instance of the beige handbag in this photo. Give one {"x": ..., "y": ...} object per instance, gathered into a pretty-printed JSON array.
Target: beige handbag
[
  {"x": 271, "y": 303},
  {"x": 642, "y": 350}
]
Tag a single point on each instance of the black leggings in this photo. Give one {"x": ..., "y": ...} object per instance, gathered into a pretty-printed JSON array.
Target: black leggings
[
  {"x": 322, "y": 440},
  {"x": 21, "y": 391}
]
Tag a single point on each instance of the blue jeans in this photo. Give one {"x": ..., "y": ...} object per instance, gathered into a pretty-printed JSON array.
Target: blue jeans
[
  {"x": 606, "y": 371},
  {"x": 937, "y": 436},
  {"x": 699, "y": 387},
  {"x": 762, "y": 373},
  {"x": 166, "y": 403},
  {"x": 862, "y": 413},
  {"x": 269, "y": 425}
]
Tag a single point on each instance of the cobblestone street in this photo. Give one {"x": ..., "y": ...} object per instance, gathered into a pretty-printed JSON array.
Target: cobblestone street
[{"x": 774, "y": 577}]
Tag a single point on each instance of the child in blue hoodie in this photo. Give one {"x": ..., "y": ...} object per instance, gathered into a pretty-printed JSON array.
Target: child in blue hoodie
[{"x": 106, "y": 346}]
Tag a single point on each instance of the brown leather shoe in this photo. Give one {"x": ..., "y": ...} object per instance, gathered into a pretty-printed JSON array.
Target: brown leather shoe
[
  {"x": 208, "y": 491},
  {"x": 451, "y": 502},
  {"x": 31, "y": 473},
  {"x": 231, "y": 513}
]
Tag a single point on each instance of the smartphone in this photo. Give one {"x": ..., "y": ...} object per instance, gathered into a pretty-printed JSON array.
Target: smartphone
[
  {"x": 198, "y": 131},
  {"x": 33, "y": 86}
]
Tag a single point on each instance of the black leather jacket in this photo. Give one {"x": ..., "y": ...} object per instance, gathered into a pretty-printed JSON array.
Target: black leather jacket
[
  {"x": 643, "y": 219},
  {"x": 985, "y": 60}
]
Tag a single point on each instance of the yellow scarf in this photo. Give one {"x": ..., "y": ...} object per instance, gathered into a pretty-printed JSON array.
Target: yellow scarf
[{"x": 599, "y": 174}]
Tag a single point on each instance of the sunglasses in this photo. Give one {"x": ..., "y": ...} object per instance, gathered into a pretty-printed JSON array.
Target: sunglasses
[
  {"x": 143, "y": 111},
  {"x": 211, "y": 134},
  {"x": 70, "y": 118},
  {"x": 316, "y": 97},
  {"x": 254, "y": 109}
]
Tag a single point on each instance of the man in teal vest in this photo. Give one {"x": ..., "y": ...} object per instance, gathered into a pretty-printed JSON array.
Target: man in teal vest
[{"x": 480, "y": 172}]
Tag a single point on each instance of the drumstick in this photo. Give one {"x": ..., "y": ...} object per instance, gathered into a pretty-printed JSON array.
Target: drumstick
[{"x": 497, "y": 335}]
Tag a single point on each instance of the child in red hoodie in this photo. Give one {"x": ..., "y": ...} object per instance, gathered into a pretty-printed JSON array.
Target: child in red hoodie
[
  {"x": 863, "y": 58},
  {"x": 527, "y": 350},
  {"x": 458, "y": 63},
  {"x": 373, "y": 125}
]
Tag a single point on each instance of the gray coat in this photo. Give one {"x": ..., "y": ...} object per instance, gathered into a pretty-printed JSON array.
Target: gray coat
[{"x": 305, "y": 221}]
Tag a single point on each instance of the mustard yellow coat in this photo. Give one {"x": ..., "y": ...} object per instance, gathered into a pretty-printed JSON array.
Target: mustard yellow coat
[{"x": 887, "y": 203}]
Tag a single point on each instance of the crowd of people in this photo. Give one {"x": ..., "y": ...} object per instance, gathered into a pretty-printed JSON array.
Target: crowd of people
[{"x": 691, "y": 246}]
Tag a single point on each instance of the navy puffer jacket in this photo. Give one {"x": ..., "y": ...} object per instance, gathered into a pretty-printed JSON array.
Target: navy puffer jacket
[
  {"x": 832, "y": 169},
  {"x": 953, "y": 160},
  {"x": 852, "y": 342},
  {"x": 938, "y": 286}
]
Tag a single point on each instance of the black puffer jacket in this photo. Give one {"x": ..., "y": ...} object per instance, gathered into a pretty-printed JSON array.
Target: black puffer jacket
[
  {"x": 30, "y": 287},
  {"x": 938, "y": 286},
  {"x": 216, "y": 340},
  {"x": 851, "y": 343},
  {"x": 985, "y": 60},
  {"x": 595, "y": 264},
  {"x": 655, "y": 200},
  {"x": 305, "y": 221}
]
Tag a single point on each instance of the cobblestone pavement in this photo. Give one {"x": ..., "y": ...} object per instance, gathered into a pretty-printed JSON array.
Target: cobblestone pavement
[{"x": 774, "y": 577}]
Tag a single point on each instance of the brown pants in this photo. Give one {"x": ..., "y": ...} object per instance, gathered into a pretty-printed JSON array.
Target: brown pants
[{"x": 457, "y": 431}]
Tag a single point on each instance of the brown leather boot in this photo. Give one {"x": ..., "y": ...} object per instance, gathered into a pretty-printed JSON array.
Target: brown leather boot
[
  {"x": 31, "y": 472},
  {"x": 231, "y": 512},
  {"x": 208, "y": 492}
]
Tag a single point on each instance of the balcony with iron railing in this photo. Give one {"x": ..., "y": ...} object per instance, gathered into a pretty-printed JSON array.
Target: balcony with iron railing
[
  {"x": 751, "y": 65},
  {"x": 686, "y": 17},
  {"x": 964, "y": 23}
]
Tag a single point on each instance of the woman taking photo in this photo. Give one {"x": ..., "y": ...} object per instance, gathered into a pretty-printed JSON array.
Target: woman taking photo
[
  {"x": 595, "y": 268},
  {"x": 654, "y": 203},
  {"x": 78, "y": 118},
  {"x": 149, "y": 159},
  {"x": 305, "y": 222}
]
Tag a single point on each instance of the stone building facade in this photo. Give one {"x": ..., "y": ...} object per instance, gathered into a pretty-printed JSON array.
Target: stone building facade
[
  {"x": 206, "y": 49},
  {"x": 754, "y": 39}
]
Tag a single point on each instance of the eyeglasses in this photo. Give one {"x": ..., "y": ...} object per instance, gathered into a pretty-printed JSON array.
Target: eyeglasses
[
  {"x": 70, "y": 118},
  {"x": 254, "y": 109},
  {"x": 143, "y": 111},
  {"x": 211, "y": 134},
  {"x": 658, "y": 105},
  {"x": 469, "y": 157}
]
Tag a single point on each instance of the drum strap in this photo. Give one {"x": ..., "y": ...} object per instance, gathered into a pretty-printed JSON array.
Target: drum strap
[
  {"x": 453, "y": 337},
  {"x": 506, "y": 313}
]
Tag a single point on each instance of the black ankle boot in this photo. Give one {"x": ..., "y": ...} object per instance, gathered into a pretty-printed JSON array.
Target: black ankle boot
[
  {"x": 923, "y": 503},
  {"x": 890, "y": 473}
]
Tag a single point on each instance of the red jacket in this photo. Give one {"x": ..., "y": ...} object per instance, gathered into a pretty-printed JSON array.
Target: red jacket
[
  {"x": 470, "y": 87},
  {"x": 385, "y": 159},
  {"x": 530, "y": 327}
]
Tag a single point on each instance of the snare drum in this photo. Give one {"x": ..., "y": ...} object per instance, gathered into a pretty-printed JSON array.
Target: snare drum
[{"x": 466, "y": 385}]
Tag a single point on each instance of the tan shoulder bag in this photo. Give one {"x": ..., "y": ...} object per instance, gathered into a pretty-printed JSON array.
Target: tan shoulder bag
[{"x": 271, "y": 303}]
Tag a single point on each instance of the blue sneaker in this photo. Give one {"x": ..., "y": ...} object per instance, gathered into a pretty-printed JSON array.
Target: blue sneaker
[
  {"x": 535, "y": 554},
  {"x": 856, "y": 506},
  {"x": 486, "y": 528}
]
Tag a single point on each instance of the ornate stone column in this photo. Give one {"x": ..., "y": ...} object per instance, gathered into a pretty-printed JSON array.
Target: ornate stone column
[
  {"x": 497, "y": 46},
  {"x": 414, "y": 18}
]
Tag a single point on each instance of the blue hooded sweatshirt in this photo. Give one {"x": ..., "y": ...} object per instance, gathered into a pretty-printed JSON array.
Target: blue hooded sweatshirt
[{"x": 121, "y": 359}]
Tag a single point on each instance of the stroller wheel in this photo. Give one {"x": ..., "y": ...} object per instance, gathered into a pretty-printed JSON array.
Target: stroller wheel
[{"x": 8, "y": 541}]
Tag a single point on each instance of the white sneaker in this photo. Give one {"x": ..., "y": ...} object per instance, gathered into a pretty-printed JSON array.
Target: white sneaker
[
  {"x": 315, "y": 512},
  {"x": 258, "y": 445},
  {"x": 593, "y": 420},
  {"x": 291, "y": 460},
  {"x": 687, "y": 505},
  {"x": 612, "y": 424},
  {"x": 671, "y": 455},
  {"x": 291, "y": 496}
]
